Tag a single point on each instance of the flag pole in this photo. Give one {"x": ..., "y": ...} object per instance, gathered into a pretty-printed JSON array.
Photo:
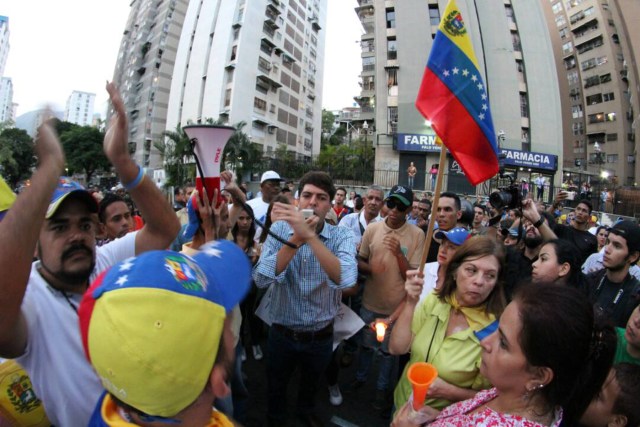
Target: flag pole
[{"x": 434, "y": 205}]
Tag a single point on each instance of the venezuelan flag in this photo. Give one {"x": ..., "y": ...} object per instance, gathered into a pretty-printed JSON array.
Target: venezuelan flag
[{"x": 453, "y": 97}]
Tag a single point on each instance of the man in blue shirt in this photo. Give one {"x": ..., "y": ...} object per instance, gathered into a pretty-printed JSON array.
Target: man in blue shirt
[{"x": 307, "y": 275}]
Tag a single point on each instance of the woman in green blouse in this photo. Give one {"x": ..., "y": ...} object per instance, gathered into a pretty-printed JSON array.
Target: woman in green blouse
[{"x": 443, "y": 330}]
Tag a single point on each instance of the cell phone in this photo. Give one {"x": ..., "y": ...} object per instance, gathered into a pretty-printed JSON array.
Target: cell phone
[{"x": 306, "y": 213}]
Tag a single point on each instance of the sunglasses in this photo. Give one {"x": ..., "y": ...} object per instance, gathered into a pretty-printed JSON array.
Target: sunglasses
[{"x": 391, "y": 204}]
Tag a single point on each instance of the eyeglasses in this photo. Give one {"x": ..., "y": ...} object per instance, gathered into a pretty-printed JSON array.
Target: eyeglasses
[{"x": 391, "y": 204}]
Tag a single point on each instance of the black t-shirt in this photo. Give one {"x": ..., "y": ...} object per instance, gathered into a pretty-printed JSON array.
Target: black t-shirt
[
  {"x": 586, "y": 242},
  {"x": 432, "y": 256},
  {"x": 616, "y": 300}
]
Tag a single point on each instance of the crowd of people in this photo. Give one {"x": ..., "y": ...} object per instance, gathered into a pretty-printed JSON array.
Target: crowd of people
[{"x": 122, "y": 309}]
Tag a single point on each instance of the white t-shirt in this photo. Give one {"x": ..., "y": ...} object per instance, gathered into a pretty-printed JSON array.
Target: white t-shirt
[
  {"x": 260, "y": 208},
  {"x": 54, "y": 358},
  {"x": 352, "y": 221}
]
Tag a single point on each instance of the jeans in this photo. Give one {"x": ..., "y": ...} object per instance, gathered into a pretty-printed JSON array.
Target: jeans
[
  {"x": 410, "y": 182},
  {"x": 369, "y": 345},
  {"x": 284, "y": 354}
]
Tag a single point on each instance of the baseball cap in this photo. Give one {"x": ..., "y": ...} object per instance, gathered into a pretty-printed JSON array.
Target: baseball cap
[
  {"x": 456, "y": 235},
  {"x": 151, "y": 325},
  {"x": 70, "y": 188},
  {"x": 404, "y": 194},
  {"x": 270, "y": 176},
  {"x": 631, "y": 233}
]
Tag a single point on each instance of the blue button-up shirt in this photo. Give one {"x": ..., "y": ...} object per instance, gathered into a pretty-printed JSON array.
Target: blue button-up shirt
[{"x": 303, "y": 297}]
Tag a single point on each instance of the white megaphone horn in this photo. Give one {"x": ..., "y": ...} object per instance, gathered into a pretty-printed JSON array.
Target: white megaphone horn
[{"x": 208, "y": 143}]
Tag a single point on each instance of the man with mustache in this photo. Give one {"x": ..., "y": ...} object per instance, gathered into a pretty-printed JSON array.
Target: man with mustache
[{"x": 38, "y": 319}]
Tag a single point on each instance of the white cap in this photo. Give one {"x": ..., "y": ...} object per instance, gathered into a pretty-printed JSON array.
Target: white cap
[{"x": 270, "y": 175}]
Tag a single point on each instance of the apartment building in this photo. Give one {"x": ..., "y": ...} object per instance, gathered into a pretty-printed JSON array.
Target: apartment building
[
  {"x": 144, "y": 70},
  {"x": 79, "y": 108},
  {"x": 4, "y": 43},
  {"x": 7, "y": 107},
  {"x": 260, "y": 62},
  {"x": 514, "y": 52},
  {"x": 596, "y": 44}
]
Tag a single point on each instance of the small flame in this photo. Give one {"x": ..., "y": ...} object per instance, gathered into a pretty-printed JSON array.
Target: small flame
[{"x": 381, "y": 328}]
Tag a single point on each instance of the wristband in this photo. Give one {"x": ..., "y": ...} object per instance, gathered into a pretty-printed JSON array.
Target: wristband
[
  {"x": 539, "y": 222},
  {"x": 133, "y": 184}
]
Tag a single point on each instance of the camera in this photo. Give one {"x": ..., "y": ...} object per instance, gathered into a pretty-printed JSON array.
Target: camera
[{"x": 506, "y": 198}]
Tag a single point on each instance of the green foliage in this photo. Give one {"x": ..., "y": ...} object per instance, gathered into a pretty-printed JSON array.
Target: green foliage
[
  {"x": 240, "y": 154},
  {"x": 83, "y": 147},
  {"x": 328, "y": 119},
  {"x": 16, "y": 155}
]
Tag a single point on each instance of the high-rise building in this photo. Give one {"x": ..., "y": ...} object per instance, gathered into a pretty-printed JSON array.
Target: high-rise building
[
  {"x": 7, "y": 108},
  {"x": 515, "y": 59},
  {"x": 4, "y": 42},
  {"x": 596, "y": 52},
  {"x": 261, "y": 62},
  {"x": 144, "y": 70},
  {"x": 79, "y": 109}
]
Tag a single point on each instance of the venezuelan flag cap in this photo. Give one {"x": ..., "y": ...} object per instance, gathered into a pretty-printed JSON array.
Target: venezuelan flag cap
[
  {"x": 151, "y": 325},
  {"x": 68, "y": 188}
]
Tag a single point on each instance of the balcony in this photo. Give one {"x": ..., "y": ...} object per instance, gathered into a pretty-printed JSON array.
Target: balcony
[{"x": 315, "y": 24}]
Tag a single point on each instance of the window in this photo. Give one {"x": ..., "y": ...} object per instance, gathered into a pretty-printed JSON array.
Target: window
[
  {"x": 612, "y": 158},
  {"x": 227, "y": 97},
  {"x": 570, "y": 63},
  {"x": 596, "y": 118},
  {"x": 612, "y": 137},
  {"x": 576, "y": 111},
  {"x": 605, "y": 78},
  {"x": 515, "y": 38},
  {"x": 392, "y": 77},
  {"x": 392, "y": 118},
  {"x": 557, "y": 8},
  {"x": 606, "y": 97},
  {"x": 578, "y": 128},
  {"x": 594, "y": 99},
  {"x": 391, "y": 18},
  {"x": 392, "y": 51},
  {"x": 560, "y": 20},
  {"x": 234, "y": 50},
  {"x": 591, "y": 81},
  {"x": 524, "y": 105},
  {"x": 588, "y": 64},
  {"x": 369, "y": 63},
  {"x": 567, "y": 48},
  {"x": 259, "y": 104},
  {"x": 368, "y": 83},
  {"x": 434, "y": 15},
  {"x": 564, "y": 32},
  {"x": 572, "y": 77},
  {"x": 508, "y": 10},
  {"x": 589, "y": 45},
  {"x": 611, "y": 117}
]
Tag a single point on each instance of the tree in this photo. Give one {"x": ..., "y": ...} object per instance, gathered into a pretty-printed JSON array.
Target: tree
[
  {"x": 16, "y": 155},
  {"x": 241, "y": 154},
  {"x": 176, "y": 151},
  {"x": 83, "y": 147}
]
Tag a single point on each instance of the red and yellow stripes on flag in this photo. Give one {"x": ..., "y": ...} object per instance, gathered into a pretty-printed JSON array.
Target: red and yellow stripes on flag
[{"x": 454, "y": 98}]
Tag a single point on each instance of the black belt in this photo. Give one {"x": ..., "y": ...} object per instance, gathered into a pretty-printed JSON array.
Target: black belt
[{"x": 305, "y": 336}]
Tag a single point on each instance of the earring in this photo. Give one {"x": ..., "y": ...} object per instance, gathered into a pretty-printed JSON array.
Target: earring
[{"x": 532, "y": 390}]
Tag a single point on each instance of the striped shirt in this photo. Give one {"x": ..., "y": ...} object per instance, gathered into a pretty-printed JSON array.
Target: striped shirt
[{"x": 303, "y": 297}]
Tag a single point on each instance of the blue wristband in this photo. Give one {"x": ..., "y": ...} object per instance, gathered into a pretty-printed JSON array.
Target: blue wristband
[{"x": 133, "y": 184}]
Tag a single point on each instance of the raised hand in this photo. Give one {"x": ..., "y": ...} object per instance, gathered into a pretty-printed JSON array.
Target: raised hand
[
  {"x": 48, "y": 149},
  {"x": 116, "y": 139}
]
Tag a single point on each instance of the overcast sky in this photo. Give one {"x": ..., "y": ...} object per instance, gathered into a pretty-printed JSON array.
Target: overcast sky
[{"x": 59, "y": 47}]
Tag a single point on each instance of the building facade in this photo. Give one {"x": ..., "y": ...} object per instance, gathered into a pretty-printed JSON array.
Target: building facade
[
  {"x": 596, "y": 51},
  {"x": 516, "y": 61},
  {"x": 260, "y": 62},
  {"x": 79, "y": 108},
  {"x": 144, "y": 69},
  {"x": 7, "y": 107},
  {"x": 4, "y": 43}
]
